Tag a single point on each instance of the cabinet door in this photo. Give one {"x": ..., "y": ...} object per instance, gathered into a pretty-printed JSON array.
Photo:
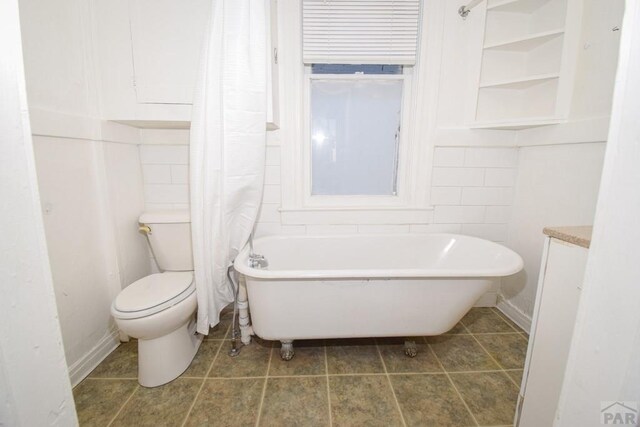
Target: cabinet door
[
  {"x": 557, "y": 305},
  {"x": 167, "y": 38}
]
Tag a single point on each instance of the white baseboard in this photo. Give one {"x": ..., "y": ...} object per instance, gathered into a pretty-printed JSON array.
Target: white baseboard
[
  {"x": 513, "y": 313},
  {"x": 83, "y": 367}
]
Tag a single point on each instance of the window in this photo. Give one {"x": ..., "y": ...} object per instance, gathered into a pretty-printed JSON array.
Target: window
[
  {"x": 352, "y": 149},
  {"x": 355, "y": 117}
]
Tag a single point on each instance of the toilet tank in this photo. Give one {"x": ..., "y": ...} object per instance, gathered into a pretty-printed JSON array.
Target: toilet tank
[{"x": 169, "y": 235}]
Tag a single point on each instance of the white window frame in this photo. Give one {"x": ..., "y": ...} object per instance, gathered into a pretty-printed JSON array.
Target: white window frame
[
  {"x": 400, "y": 199},
  {"x": 411, "y": 206}
]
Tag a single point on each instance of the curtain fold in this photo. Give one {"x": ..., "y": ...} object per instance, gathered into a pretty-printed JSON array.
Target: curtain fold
[{"x": 227, "y": 147}]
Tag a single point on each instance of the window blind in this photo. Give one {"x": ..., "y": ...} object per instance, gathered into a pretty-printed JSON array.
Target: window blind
[{"x": 360, "y": 31}]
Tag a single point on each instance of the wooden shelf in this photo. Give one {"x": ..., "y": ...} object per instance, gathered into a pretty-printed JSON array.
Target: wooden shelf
[
  {"x": 517, "y": 124},
  {"x": 526, "y": 43},
  {"x": 516, "y": 6},
  {"x": 520, "y": 83}
]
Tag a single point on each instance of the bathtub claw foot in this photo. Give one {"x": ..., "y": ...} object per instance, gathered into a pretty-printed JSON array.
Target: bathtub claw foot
[
  {"x": 286, "y": 351},
  {"x": 410, "y": 348}
]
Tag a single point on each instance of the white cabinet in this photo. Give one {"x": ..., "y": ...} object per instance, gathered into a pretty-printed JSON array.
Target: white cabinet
[
  {"x": 166, "y": 39},
  {"x": 557, "y": 299},
  {"x": 524, "y": 62},
  {"x": 148, "y": 53}
]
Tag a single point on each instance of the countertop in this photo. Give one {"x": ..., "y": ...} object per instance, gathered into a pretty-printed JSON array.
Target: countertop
[{"x": 579, "y": 235}]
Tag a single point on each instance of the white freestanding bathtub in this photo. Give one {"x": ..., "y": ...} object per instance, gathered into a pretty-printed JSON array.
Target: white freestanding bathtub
[{"x": 368, "y": 285}]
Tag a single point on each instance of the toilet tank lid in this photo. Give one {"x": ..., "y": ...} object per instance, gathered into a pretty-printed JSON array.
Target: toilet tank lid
[{"x": 165, "y": 217}]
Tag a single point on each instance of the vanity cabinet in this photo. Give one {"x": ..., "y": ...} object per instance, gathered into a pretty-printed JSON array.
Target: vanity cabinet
[
  {"x": 558, "y": 296},
  {"x": 148, "y": 53}
]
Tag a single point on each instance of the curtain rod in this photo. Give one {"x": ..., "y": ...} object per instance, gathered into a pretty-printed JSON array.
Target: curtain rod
[{"x": 464, "y": 10}]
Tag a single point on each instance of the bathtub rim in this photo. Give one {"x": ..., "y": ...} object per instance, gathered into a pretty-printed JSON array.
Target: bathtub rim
[{"x": 240, "y": 263}]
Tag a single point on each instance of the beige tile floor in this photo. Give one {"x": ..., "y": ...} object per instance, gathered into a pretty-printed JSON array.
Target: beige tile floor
[{"x": 467, "y": 377}]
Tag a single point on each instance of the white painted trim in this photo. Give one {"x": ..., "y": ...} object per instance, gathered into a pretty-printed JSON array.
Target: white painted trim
[
  {"x": 61, "y": 125},
  {"x": 83, "y": 367},
  {"x": 572, "y": 132},
  {"x": 464, "y": 137},
  {"x": 570, "y": 51},
  {"x": 513, "y": 313},
  {"x": 164, "y": 136},
  {"x": 116, "y": 132},
  {"x": 57, "y": 124}
]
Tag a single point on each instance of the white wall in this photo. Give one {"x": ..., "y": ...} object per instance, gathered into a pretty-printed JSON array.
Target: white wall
[
  {"x": 477, "y": 175},
  {"x": 91, "y": 184},
  {"x": 165, "y": 169},
  {"x": 34, "y": 383},
  {"x": 556, "y": 185},
  {"x": 124, "y": 185},
  {"x": 605, "y": 349},
  {"x": 560, "y": 166},
  {"x": 75, "y": 226}
]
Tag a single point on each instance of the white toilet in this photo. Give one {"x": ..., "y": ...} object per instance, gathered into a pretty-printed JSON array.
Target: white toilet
[{"x": 159, "y": 309}]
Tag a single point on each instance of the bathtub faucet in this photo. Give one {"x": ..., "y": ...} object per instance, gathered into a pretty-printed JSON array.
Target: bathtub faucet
[{"x": 256, "y": 260}]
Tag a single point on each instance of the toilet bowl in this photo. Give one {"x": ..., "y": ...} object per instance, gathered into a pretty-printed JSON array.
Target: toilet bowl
[{"x": 159, "y": 309}]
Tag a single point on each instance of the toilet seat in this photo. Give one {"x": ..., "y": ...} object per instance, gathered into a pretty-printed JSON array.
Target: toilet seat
[{"x": 153, "y": 294}]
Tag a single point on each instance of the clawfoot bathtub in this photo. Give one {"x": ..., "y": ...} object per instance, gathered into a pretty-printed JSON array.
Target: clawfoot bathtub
[{"x": 368, "y": 285}]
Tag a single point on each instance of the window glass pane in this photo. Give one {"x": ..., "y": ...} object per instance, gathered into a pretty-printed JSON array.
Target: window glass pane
[
  {"x": 354, "y": 136},
  {"x": 355, "y": 69}
]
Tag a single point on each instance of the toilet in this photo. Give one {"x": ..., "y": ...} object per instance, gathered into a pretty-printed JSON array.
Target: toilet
[{"x": 159, "y": 309}]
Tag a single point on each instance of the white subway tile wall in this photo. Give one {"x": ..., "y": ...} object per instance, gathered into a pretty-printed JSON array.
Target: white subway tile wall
[
  {"x": 472, "y": 191},
  {"x": 165, "y": 169}
]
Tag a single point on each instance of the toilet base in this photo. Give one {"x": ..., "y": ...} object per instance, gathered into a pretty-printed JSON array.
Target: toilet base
[{"x": 163, "y": 359}]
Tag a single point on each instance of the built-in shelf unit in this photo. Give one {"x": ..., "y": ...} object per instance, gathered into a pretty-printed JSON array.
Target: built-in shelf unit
[{"x": 523, "y": 62}]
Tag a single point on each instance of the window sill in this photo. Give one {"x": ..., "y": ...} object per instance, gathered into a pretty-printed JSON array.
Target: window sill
[{"x": 356, "y": 216}]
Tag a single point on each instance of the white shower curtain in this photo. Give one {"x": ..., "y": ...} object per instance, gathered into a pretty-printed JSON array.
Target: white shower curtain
[{"x": 227, "y": 147}]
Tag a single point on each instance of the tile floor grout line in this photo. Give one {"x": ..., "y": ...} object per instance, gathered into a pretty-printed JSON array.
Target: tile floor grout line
[
  {"x": 502, "y": 368},
  {"x": 473, "y": 417},
  {"x": 492, "y": 333},
  {"x": 482, "y": 347},
  {"x": 393, "y": 392},
  {"x": 204, "y": 381},
  {"x": 124, "y": 404},
  {"x": 494, "y": 310},
  {"x": 489, "y": 354},
  {"x": 264, "y": 387},
  {"x": 357, "y": 374},
  {"x": 513, "y": 381},
  {"x": 326, "y": 374}
]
